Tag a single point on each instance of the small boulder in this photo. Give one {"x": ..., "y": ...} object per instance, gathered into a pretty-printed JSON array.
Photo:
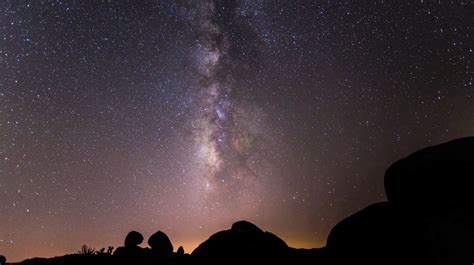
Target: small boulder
[
  {"x": 131, "y": 252},
  {"x": 160, "y": 243},
  {"x": 180, "y": 251},
  {"x": 133, "y": 238}
]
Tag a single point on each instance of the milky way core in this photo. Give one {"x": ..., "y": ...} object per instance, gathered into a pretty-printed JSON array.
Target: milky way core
[{"x": 226, "y": 131}]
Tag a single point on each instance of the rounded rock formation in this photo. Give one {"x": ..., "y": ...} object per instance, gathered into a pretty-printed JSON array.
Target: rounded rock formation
[
  {"x": 245, "y": 227},
  {"x": 243, "y": 243},
  {"x": 435, "y": 178},
  {"x": 133, "y": 238},
  {"x": 160, "y": 243},
  {"x": 373, "y": 235},
  {"x": 434, "y": 187},
  {"x": 131, "y": 252}
]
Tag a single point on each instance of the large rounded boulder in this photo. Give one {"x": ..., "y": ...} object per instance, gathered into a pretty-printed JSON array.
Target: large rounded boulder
[
  {"x": 244, "y": 242},
  {"x": 377, "y": 234},
  {"x": 437, "y": 178},
  {"x": 435, "y": 187},
  {"x": 160, "y": 243}
]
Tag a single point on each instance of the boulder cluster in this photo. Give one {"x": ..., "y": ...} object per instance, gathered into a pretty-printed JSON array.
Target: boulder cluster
[
  {"x": 243, "y": 243},
  {"x": 161, "y": 248},
  {"x": 428, "y": 218}
]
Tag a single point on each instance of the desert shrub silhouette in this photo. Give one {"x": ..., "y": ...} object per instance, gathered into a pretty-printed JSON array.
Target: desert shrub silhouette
[{"x": 85, "y": 250}]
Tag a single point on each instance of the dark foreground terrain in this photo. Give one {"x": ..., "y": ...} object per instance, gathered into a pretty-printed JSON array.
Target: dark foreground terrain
[{"x": 428, "y": 219}]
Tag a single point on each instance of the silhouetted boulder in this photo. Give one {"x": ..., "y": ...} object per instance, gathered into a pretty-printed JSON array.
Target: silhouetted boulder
[
  {"x": 3, "y": 260},
  {"x": 245, "y": 227},
  {"x": 435, "y": 187},
  {"x": 244, "y": 242},
  {"x": 131, "y": 252},
  {"x": 160, "y": 243},
  {"x": 374, "y": 235},
  {"x": 133, "y": 238},
  {"x": 180, "y": 251},
  {"x": 428, "y": 218},
  {"x": 436, "y": 178}
]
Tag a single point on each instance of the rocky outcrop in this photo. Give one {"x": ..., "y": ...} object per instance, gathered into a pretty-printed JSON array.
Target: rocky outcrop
[
  {"x": 244, "y": 242},
  {"x": 378, "y": 234},
  {"x": 428, "y": 218},
  {"x": 131, "y": 251},
  {"x": 435, "y": 179},
  {"x": 160, "y": 244},
  {"x": 435, "y": 187}
]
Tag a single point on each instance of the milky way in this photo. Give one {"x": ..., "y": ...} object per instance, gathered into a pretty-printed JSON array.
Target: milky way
[
  {"x": 185, "y": 116},
  {"x": 226, "y": 132}
]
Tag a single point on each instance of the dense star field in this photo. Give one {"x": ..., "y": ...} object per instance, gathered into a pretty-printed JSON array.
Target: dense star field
[{"x": 186, "y": 116}]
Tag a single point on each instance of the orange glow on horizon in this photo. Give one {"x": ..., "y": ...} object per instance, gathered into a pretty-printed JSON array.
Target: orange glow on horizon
[{"x": 188, "y": 246}]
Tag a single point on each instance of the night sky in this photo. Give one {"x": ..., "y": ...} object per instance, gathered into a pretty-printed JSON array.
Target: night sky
[{"x": 185, "y": 116}]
